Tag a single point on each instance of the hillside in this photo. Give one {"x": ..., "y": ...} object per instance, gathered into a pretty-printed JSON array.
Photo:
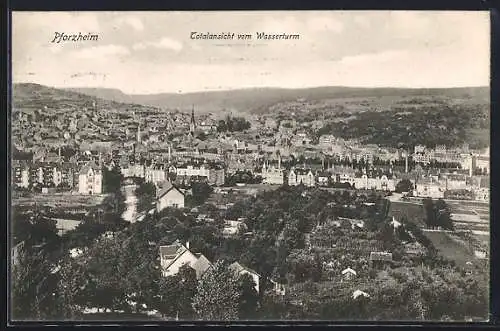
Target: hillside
[
  {"x": 36, "y": 96},
  {"x": 259, "y": 100},
  {"x": 384, "y": 116}
]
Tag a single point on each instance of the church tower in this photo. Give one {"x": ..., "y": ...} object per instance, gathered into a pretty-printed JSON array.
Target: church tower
[
  {"x": 138, "y": 133},
  {"x": 192, "y": 125}
]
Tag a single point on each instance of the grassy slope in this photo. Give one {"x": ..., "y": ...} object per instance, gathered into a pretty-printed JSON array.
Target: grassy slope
[
  {"x": 450, "y": 248},
  {"x": 414, "y": 213}
]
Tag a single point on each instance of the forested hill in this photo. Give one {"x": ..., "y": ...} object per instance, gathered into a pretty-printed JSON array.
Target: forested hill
[
  {"x": 259, "y": 100},
  {"x": 36, "y": 96}
]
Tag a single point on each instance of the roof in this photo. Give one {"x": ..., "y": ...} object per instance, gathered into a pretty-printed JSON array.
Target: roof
[
  {"x": 349, "y": 270},
  {"x": 358, "y": 293},
  {"x": 165, "y": 188},
  {"x": 171, "y": 250},
  {"x": 238, "y": 268},
  {"x": 201, "y": 265},
  {"x": 380, "y": 256},
  {"x": 301, "y": 171},
  {"x": 86, "y": 167}
]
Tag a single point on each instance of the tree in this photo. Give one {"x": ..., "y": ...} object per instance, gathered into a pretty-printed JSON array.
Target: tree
[
  {"x": 71, "y": 287},
  {"x": 201, "y": 192},
  {"x": 248, "y": 299},
  {"x": 430, "y": 217},
  {"x": 33, "y": 286},
  {"x": 217, "y": 294},
  {"x": 404, "y": 185},
  {"x": 34, "y": 229},
  {"x": 112, "y": 179},
  {"x": 177, "y": 292},
  {"x": 443, "y": 215},
  {"x": 146, "y": 194}
]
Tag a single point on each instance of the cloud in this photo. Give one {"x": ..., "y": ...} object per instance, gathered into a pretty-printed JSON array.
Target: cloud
[
  {"x": 131, "y": 21},
  {"x": 57, "y": 21},
  {"x": 100, "y": 52},
  {"x": 164, "y": 43},
  {"x": 374, "y": 58},
  {"x": 325, "y": 24}
]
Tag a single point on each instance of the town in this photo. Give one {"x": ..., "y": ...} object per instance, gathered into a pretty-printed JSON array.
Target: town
[{"x": 179, "y": 202}]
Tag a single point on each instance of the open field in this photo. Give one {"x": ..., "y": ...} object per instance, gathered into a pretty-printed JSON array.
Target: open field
[
  {"x": 65, "y": 225},
  {"x": 470, "y": 216},
  {"x": 451, "y": 248},
  {"x": 414, "y": 212}
]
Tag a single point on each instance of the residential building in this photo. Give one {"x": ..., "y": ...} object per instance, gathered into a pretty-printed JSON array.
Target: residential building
[
  {"x": 240, "y": 270},
  {"x": 358, "y": 293},
  {"x": 154, "y": 175},
  {"x": 216, "y": 176},
  {"x": 382, "y": 183},
  {"x": 90, "y": 179},
  {"x": 301, "y": 176},
  {"x": 483, "y": 162},
  {"x": 21, "y": 175},
  {"x": 380, "y": 259},
  {"x": 190, "y": 170},
  {"x": 429, "y": 188},
  {"x": 348, "y": 274},
  {"x": 169, "y": 196},
  {"x": 176, "y": 255},
  {"x": 232, "y": 228},
  {"x": 272, "y": 175}
]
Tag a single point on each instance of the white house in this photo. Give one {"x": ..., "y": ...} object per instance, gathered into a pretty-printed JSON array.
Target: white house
[
  {"x": 176, "y": 255},
  {"x": 272, "y": 175},
  {"x": 90, "y": 179},
  {"x": 154, "y": 176},
  {"x": 348, "y": 273},
  {"x": 240, "y": 270},
  {"x": 358, "y": 293},
  {"x": 193, "y": 171},
  {"x": 301, "y": 176},
  {"x": 169, "y": 196}
]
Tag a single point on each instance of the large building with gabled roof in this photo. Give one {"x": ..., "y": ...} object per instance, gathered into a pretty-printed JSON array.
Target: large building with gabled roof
[
  {"x": 176, "y": 255},
  {"x": 169, "y": 196},
  {"x": 90, "y": 179}
]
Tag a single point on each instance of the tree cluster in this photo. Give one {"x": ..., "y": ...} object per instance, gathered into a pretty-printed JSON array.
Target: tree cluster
[
  {"x": 232, "y": 124},
  {"x": 437, "y": 214}
]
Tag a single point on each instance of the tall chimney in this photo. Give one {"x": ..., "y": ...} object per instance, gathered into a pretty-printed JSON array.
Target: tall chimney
[
  {"x": 279, "y": 161},
  {"x": 406, "y": 162}
]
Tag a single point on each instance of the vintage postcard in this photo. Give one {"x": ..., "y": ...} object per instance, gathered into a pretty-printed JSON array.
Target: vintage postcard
[{"x": 232, "y": 166}]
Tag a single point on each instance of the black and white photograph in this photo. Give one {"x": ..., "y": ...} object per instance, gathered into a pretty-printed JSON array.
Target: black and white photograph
[{"x": 250, "y": 166}]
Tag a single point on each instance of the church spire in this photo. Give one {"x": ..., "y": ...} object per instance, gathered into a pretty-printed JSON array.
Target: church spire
[
  {"x": 192, "y": 125},
  {"x": 138, "y": 132}
]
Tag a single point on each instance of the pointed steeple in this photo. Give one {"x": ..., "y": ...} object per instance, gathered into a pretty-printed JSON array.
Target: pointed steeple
[
  {"x": 192, "y": 125},
  {"x": 138, "y": 133}
]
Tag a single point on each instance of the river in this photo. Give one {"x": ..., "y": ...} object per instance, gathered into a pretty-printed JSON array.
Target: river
[{"x": 130, "y": 213}]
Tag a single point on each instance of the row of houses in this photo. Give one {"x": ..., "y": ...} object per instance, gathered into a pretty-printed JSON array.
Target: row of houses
[
  {"x": 85, "y": 179},
  {"x": 436, "y": 186},
  {"x": 299, "y": 176},
  {"x": 213, "y": 174}
]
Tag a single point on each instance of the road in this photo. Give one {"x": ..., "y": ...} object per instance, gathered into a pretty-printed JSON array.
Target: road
[{"x": 130, "y": 212}]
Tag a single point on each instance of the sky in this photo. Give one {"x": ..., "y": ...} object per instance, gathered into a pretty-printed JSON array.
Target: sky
[{"x": 152, "y": 52}]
